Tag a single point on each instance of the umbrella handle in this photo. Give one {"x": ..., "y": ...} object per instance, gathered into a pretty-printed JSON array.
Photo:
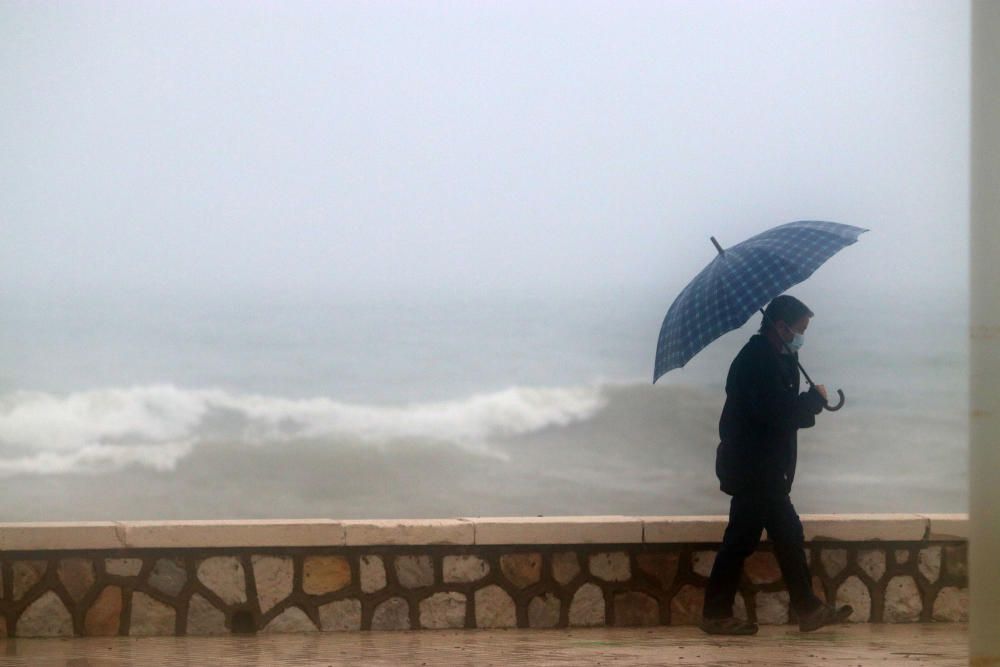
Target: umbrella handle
[{"x": 834, "y": 408}]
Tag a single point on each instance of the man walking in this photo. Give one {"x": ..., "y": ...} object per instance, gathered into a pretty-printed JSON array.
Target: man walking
[{"x": 755, "y": 464}]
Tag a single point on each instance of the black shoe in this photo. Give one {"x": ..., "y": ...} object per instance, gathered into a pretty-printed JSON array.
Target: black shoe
[
  {"x": 729, "y": 625},
  {"x": 825, "y": 614}
]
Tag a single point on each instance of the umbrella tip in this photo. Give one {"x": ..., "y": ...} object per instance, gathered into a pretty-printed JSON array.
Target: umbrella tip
[{"x": 717, "y": 246}]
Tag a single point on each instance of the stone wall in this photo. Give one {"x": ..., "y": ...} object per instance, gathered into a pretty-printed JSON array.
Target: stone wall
[{"x": 530, "y": 572}]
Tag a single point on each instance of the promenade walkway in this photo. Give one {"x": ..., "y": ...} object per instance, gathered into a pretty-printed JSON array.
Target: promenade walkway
[{"x": 775, "y": 646}]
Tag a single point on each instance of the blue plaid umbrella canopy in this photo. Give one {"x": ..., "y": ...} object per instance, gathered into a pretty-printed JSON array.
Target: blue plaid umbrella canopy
[{"x": 740, "y": 281}]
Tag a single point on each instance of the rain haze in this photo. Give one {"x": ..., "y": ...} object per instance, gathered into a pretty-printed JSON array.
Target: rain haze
[{"x": 392, "y": 259}]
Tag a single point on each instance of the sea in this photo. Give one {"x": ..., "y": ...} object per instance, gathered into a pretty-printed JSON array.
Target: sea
[{"x": 157, "y": 404}]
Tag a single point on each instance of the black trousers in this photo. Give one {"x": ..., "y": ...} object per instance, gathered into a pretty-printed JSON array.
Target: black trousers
[{"x": 749, "y": 515}]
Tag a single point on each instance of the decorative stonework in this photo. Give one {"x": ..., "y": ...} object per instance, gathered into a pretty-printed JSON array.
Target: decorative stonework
[
  {"x": 273, "y": 576},
  {"x": 168, "y": 576},
  {"x": 26, "y": 575},
  {"x": 834, "y": 561},
  {"x": 634, "y": 608},
  {"x": 463, "y": 569},
  {"x": 443, "y": 610},
  {"x": 565, "y": 566},
  {"x": 543, "y": 611},
  {"x": 104, "y": 616},
  {"x": 494, "y": 608},
  {"x": 414, "y": 571},
  {"x": 587, "y": 607},
  {"x": 854, "y": 592},
  {"x": 77, "y": 575},
  {"x": 521, "y": 569},
  {"x": 372, "y": 574},
  {"x": 159, "y": 590},
  {"x": 340, "y": 616},
  {"x": 772, "y": 607},
  {"x": 224, "y": 576},
  {"x": 45, "y": 617},
  {"x": 393, "y": 614},
  {"x": 203, "y": 618},
  {"x": 902, "y": 600},
  {"x": 872, "y": 562},
  {"x": 290, "y": 620},
  {"x": 123, "y": 567},
  {"x": 150, "y": 616},
  {"x": 952, "y": 604},
  {"x": 929, "y": 563},
  {"x": 325, "y": 574}
]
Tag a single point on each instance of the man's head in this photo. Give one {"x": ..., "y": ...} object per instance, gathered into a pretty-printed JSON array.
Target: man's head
[{"x": 788, "y": 315}]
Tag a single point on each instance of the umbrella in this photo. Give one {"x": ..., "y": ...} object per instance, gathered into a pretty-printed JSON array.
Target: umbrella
[{"x": 740, "y": 281}]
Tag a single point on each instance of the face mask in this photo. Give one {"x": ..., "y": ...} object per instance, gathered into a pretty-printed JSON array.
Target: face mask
[{"x": 796, "y": 343}]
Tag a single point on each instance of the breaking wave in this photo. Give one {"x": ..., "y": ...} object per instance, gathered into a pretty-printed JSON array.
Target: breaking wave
[{"x": 156, "y": 426}]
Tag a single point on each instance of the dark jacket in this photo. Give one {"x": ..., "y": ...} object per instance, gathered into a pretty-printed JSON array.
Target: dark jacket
[{"x": 763, "y": 412}]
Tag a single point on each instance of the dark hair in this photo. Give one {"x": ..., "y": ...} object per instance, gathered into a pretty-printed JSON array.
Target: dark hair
[{"x": 785, "y": 308}]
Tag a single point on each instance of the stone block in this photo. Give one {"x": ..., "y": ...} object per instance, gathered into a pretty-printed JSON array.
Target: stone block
[
  {"x": 168, "y": 576},
  {"x": 952, "y": 605},
  {"x": 761, "y": 567},
  {"x": 948, "y": 526},
  {"x": 273, "y": 576},
  {"x": 558, "y": 530},
  {"x": 772, "y": 607},
  {"x": 521, "y": 569},
  {"x": 235, "y": 533},
  {"x": 203, "y": 618},
  {"x": 150, "y": 617},
  {"x": 634, "y": 608},
  {"x": 77, "y": 575},
  {"x": 872, "y": 562},
  {"x": 854, "y": 592},
  {"x": 224, "y": 576},
  {"x": 702, "y": 562},
  {"x": 123, "y": 567},
  {"x": 409, "y": 532},
  {"x": 956, "y": 560},
  {"x": 834, "y": 561},
  {"x": 863, "y": 527},
  {"x": 660, "y": 566},
  {"x": 543, "y": 611},
  {"x": 686, "y": 605},
  {"x": 903, "y": 603},
  {"x": 291, "y": 620},
  {"x": 414, "y": 571},
  {"x": 565, "y": 566},
  {"x": 902, "y": 556},
  {"x": 587, "y": 606},
  {"x": 49, "y": 535},
  {"x": 443, "y": 610},
  {"x": 610, "y": 566},
  {"x": 325, "y": 574},
  {"x": 26, "y": 575},
  {"x": 340, "y": 616},
  {"x": 372, "y": 574},
  {"x": 393, "y": 614},
  {"x": 682, "y": 529},
  {"x": 464, "y": 569},
  {"x": 45, "y": 617},
  {"x": 929, "y": 563},
  {"x": 494, "y": 608},
  {"x": 104, "y": 616}
]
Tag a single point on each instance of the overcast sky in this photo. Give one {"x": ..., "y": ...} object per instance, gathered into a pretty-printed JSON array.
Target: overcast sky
[{"x": 390, "y": 145}]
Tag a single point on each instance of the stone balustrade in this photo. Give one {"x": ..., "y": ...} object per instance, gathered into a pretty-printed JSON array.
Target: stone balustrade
[{"x": 214, "y": 577}]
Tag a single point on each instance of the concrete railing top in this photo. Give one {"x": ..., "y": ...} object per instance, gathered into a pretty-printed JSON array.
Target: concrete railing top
[{"x": 457, "y": 531}]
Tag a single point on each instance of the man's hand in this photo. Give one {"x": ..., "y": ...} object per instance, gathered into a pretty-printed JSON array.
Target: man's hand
[{"x": 822, "y": 390}]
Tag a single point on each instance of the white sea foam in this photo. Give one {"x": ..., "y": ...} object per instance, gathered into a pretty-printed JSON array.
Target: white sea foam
[{"x": 158, "y": 425}]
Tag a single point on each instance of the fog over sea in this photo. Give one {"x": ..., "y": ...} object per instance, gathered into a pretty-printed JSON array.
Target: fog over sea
[{"x": 136, "y": 404}]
